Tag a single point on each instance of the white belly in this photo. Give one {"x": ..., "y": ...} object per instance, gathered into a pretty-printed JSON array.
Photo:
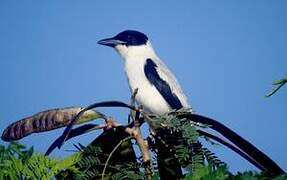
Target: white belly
[
  {"x": 151, "y": 99},
  {"x": 147, "y": 95}
]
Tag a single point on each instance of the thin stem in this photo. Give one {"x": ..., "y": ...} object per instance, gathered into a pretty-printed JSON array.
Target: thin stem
[
  {"x": 279, "y": 84},
  {"x": 275, "y": 89},
  {"x": 111, "y": 154},
  {"x": 133, "y": 103}
]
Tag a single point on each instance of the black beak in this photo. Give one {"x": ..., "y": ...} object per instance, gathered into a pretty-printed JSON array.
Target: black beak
[{"x": 110, "y": 42}]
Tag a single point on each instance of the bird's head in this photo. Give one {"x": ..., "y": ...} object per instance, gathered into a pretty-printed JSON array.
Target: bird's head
[{"x": 128, "y": 43}]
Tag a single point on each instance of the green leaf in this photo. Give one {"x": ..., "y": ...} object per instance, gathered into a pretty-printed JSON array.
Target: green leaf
[{"x": 277, "y": 85}]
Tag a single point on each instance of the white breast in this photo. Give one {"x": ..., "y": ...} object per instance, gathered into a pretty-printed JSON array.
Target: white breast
[
  {"x": 135, "y": 58},
  {"x": 147, "y": 95}
]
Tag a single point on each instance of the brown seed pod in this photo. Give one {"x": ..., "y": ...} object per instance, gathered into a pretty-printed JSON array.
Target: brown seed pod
[{"x": 46, "y": 121}]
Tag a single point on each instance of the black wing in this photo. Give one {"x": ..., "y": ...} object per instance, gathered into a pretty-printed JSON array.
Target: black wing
[{"x": 161, "y": 85}]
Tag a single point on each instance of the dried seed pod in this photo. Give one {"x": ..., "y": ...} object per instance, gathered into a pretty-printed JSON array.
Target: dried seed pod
[{"x": 46, "y": 121}]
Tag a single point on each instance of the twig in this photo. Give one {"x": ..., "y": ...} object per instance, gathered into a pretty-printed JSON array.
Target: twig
[
  {"x": 134, "y": 132},
  {"x": 279, "y": 83},
  {"x": 111, "y": 154},
  {"x": 143, "y": 145},
  {"x": 133, "y": 103}
]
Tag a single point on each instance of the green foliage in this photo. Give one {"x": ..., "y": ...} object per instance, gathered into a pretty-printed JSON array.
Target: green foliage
[
  {"x": 93, "y": 161},
  {"x": 208, "y": 173},
  {"x": 182, "y": 138},
  {"x": 179, "y": 136},
  {"x": 18, "y": 162},
  {"x": 109, "y": 156},
  {"x": 212, "y": 159},
  {"x": 222, "y": 173},
  {"x": 127, "y": 172},
  {"x": 252, "y": 175},
  {"x": 185, "y": 142}
]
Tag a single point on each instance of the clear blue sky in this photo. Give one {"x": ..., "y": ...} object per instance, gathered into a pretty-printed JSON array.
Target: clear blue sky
[{"x": 224, "y": 53}]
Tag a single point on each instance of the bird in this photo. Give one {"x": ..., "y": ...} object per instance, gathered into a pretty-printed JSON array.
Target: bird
[{"x": 158, "y": 90}]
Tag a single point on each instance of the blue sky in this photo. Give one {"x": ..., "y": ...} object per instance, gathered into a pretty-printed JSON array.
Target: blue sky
[{"x": 224, "y": 53}]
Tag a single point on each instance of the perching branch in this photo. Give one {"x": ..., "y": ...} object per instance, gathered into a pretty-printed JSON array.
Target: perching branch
[
  {"x": 133, "y": 104},
  {"x": 143, "y": 145}
]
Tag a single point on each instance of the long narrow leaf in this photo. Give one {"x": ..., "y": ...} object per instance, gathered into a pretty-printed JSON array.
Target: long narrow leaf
[
  {"x": 73, "y": 133},
  {"x": 267, "y": 163},
  {"x": 232, "y": 147},
  {"x": 277, "y": 85},
  {"x": 96, "y": 105}
]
